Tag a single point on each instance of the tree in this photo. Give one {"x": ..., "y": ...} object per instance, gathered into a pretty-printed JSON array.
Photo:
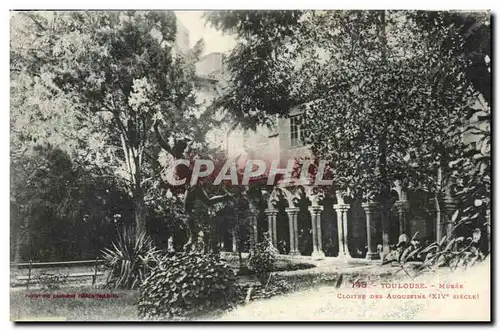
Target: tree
[
  {"x": 381, "y": 92},
  {"x": 119, "y": 73},
  {"x": 61, "y": 210}
]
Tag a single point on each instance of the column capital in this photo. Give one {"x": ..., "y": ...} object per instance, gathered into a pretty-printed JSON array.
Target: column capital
[
  {"x": 369, "y": 206},
  {"x": 292, "y": 210},
  {"x": 315, "y": 209},
  {"x": 342, "y": 207},
  {"x": 401, "y": 204},
  {"x": 271, "y": 211}
]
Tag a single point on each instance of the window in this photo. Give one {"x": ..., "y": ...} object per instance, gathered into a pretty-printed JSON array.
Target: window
[{"x": 297, "y": 132}]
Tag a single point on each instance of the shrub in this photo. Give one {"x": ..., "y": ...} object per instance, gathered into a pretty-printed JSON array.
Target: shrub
[
  {"x": 130, "y": 260},
  {"x": 275, "y": 288},
  {"x": 185, "y": 284},
  {"x": 449, "y": 252},
  {"x": 262, "y": 257}
]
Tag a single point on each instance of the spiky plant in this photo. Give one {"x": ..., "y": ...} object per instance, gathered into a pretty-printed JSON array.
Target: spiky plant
[{"x": 130, "y": 259}]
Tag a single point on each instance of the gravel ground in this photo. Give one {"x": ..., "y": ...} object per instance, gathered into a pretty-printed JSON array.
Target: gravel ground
[{"x": 324, "y": 303}]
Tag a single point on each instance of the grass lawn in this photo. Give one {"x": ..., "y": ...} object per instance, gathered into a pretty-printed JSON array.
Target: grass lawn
[
  {"x": 38, "y": 305},
  {"x": 283, "y": 262},
  {"x": 118, "y": 305},
  {"x": 299, "y": 273}
]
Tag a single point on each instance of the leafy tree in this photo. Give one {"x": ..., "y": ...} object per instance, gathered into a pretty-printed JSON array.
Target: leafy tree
[
  {"x": 474, "y": 29},
  {"x": 124, "y": 84},
  {"x": 61, "y": 210},
  {"x": 381, "y": 91}
]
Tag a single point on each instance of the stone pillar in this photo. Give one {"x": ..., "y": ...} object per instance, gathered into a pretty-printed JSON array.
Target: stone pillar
[
  {"x": 341, "y": 210},
  {"x": 255, "y": 235},
  {"x": 271, "y": 220},
  {"x": 294, "y": 233},
  {"x": 450, "y": 207},
  {"x": 235, "y": 245},
  {"x": 372, "y": 253},
  {"x": 316, "y": 232},
  {"x": 402, "y": 206},
  {"x": 435, "y": 209},
  {"x": 171, "y": 247}
]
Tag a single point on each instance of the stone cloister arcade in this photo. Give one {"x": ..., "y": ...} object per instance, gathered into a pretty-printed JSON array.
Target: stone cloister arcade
[{"x": 335, "y": 224}]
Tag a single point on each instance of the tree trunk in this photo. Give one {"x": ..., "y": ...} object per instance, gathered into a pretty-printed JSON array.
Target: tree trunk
[
  {"x": 133, "y": 161},
  {"x": 386, "y": 185},
  {"x": 139, "y": 220},
  {"x": 385, "y": 196},
  {"x": 138, "y": 199}
]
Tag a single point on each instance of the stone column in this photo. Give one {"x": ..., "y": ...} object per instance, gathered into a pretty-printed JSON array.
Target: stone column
[
  {"x": 171, "y": 247},
  {"x": 294, "y": 233},
  {"x": 271, "y": 220},
  {"x": 255, "y": 235},
  {"x": 372, "y": 253},
  {"x": 235, "y": 246},
  {"x": 341, "y": 210},
  {"x": 316, "y": 232},
  {"x": 434, "y": 209},
  {"x": 450, "y": 207},
  {"x": 402, "y": 206}
]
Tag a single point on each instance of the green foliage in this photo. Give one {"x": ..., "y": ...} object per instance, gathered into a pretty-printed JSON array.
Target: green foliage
[
  {"x": 254, "y": 65},
  {"x": 184, "y": 285},
  {"x": 474, "y": 44},
  {"x": 61, "y": 210},
  {"x": 124, "y": 85},
  {"x": 262, "y": 257},
  {"x": 130, "y": 260},
  {"x": 413, "y": 258},
  {"x": 472, "y": 171},
  {"x": 272, "y": 289},
  {"x": 375, "y": 110}
]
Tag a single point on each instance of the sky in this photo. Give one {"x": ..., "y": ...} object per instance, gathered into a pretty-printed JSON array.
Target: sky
[{"x": 214, "y": 40}]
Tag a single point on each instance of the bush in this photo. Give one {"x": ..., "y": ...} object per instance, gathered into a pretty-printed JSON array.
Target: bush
[
  {"x": 130, "y": 260},
  {"x": 262, "y": 257},
  {"x": 449, "y": 252},
  {"x": 186, "y": 284}
]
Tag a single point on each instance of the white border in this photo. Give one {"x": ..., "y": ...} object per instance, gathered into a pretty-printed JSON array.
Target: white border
[
  {"x": 255, "y": 4},
  {"x": 185, "y": 5}
]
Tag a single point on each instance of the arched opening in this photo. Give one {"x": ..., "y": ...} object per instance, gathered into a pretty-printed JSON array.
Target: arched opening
[
  {"x": 304, "y": 222},
  {"x": 282, "y": 227},
  {"x": 278, "y": 202},
  {"x": 356, "y": 225},
  {"x": 329, "y": 231},
  {"x": 420, "y": 216}
]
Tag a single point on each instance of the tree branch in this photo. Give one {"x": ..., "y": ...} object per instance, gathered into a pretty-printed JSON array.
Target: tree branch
[{"x": 161, "y": 140}]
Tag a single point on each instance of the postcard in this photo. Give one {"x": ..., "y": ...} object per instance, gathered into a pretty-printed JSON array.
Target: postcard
[{"x": 250, "y": 165}]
